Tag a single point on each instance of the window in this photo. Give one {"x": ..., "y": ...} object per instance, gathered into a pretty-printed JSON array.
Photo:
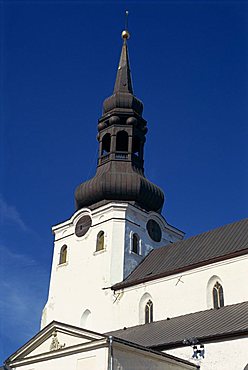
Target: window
[
  {"x": 135, "y": 244},
  {"x": 122, "y": 141},
  {"x": 100, "y": 241},
  {"x": 149, "y": 312},
  {"x": 146, "y": 297},
  {"x": 218, "y": 295},
  {"x": 106, "y": 140},
  {"x": 63, "y": 255},
  {"x": 85, "y": 321}
]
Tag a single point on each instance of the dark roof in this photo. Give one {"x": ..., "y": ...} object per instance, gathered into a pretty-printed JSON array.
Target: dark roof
[
  {"x": 214, "y": 324},
  {"x": 225, "y": 242},
  {"x": 120, "y": 170},
  {"x": 123, "y": 96},
  {"x": 123, "y": 82}
]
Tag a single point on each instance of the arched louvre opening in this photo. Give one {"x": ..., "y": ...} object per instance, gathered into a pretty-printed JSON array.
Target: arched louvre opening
[
  {"x": 106, "y": 141},
  {"x": 122, "y": 141},
  {"x": 135, "y": 244},
  {"x": 100, "y": 241},
  {"x": 63, "y": 255},
  {"x": 218, "y": 295}
]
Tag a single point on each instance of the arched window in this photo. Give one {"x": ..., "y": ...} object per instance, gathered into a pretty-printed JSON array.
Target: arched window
[
  {"x": 218, "y": 295},
  {"x": 100, "y": 241},
  {"x": 63, "y": 255},
  {"x": 149, "y": 312},
  {"x": 135, "y": 244},
  {"x": 136, "y": 146},
  {"x": 106, "y": 140},
  {"x": 85, "y": 321},
  {"x": 122, "y": 141},
  {"x": 146, "y": 297}
]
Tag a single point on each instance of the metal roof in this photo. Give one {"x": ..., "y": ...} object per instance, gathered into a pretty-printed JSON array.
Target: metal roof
[
  {"x": 210, "y": 325},
  {"x": 222, "y": 243},
  {"x": 120, "y": 170}
]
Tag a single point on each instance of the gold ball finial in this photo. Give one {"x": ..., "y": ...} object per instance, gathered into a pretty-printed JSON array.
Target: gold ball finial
[{"x": 125, "y": 35}]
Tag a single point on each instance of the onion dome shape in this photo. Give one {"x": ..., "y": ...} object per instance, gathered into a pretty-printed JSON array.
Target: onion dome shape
[
  {"x": 130, "y": 187},
  {"x": 121, "y": 135}
]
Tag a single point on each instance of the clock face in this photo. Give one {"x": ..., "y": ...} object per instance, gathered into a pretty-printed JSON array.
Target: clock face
[
  {"x": 154, "y": 230},
  {"x": 83, "y": 225}
]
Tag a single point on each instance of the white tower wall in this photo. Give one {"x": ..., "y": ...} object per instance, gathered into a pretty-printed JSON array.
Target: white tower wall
[{"x": 79, "y": 292}]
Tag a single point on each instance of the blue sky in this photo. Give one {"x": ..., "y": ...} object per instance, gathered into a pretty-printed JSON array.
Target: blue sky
[{"x": 58, "y": 63}]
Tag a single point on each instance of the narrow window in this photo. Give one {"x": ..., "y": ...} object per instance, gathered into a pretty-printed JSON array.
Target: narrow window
[
  {"x": 106, "y": 140},
  {"x": 85, "y": 319},
  {"x": 218, "y": 295},
  {"x": 100, "y": 241},
  {"x": 63, "y": 255},
  {"x": 135, "y": 244},
  {"x": 122, "y": 141},
  {"x": 149, "y": 312}
]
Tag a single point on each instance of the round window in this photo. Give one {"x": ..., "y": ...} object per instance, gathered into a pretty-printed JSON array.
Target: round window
[
  {"x": 154, "y": 230},
  {"x": 83, "y": 225}
]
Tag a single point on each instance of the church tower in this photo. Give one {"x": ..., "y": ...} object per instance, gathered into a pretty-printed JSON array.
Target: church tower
[{"x": 117, "y": 220}]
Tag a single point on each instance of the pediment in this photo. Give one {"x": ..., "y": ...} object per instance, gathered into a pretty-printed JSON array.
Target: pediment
[{"x": 54, "y": 337}]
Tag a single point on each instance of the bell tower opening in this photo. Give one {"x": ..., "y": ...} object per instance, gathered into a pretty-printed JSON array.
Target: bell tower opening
[
  {"x": 122, "y": 135},
  {"x": 106, "y": 142}
]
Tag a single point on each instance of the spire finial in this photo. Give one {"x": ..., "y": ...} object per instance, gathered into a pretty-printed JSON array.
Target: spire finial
[{"x": 125, "y": 34}]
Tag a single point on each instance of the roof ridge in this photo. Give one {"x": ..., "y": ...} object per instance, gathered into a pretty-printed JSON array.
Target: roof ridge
[{"x": 218, "y": 227}]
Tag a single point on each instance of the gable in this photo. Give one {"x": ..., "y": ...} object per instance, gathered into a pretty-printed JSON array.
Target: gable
[{"x": 55, "y": 336}]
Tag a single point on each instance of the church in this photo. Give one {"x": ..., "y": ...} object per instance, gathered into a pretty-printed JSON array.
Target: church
[{"x": 127, "y": 290}]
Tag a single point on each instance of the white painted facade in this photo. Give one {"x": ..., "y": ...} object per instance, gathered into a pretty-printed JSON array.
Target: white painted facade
[
  {"x": 183, "y": 293},
  {"x": 78, "y": 349},
  {"x": 226, "y": 355},
  {"x": 80, "y": 289},
  {"x": 79, "y": 292}
]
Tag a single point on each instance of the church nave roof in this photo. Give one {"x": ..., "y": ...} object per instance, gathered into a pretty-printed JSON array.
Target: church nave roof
[
  {"x": 225, "y": 242},
  {"x": 206, "y": 326}
]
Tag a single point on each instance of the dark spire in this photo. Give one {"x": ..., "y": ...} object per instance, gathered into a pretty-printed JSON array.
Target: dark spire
[
  {"x": 123, "y": 82},
  {"x": 121, "y": 136},
  {"x": 123, "y": 97}
]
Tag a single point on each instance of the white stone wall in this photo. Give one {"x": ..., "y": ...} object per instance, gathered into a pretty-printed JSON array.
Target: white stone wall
[
  {"x": 93, "y": 359},
  {"x": 136, "y": 221},
  {"x": 228, "y": 355},
  {"x": 79, "y": 292},
  {"x": 98, "y": 357},
  {"x": 78, "y": 285},
  {"x": 129, "y": 359},
  {"x": 183, "y": 293}
]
